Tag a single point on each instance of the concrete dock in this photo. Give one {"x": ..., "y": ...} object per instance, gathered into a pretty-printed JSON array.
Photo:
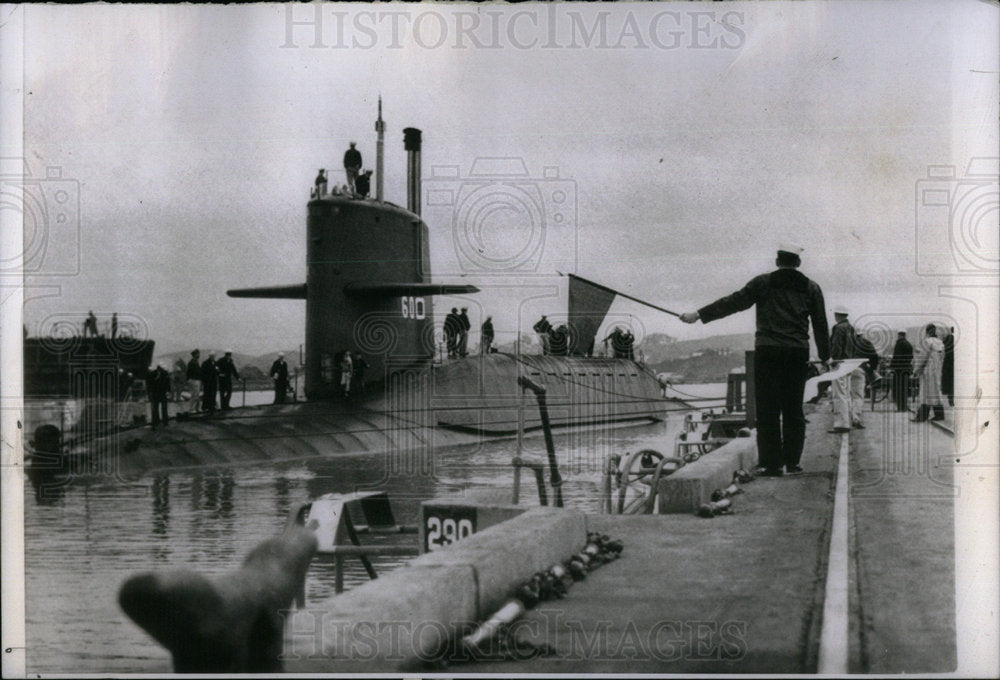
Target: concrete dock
[{"x": 740, "y": 593}]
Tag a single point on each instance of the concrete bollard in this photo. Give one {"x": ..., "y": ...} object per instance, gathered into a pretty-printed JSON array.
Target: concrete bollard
[
  {"x": 407, "y": 618},
  {"x": 691, "y": 487},
  {"x": 234, "y": 624}
]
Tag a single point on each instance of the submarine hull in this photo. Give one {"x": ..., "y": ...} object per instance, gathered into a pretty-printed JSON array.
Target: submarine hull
[{"x": 458, "y": 403}]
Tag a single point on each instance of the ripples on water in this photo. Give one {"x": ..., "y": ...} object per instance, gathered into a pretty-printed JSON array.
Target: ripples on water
[{"x": 83, "y": 540}]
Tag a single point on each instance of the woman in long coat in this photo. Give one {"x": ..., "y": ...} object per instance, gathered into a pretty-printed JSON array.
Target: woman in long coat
[{"x": 929, "y": 373}]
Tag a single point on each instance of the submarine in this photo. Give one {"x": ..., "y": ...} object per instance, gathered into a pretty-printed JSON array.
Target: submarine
[{"x": 369, "y": 290}]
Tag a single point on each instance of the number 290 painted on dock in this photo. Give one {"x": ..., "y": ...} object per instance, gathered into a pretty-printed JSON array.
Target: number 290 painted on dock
[{"x": 442, "y": 527}]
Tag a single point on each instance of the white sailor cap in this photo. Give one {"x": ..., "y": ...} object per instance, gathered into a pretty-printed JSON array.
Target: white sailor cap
[
  {"x": 229, "y": 351},
  {"x": 787, "y": 247},
  {"x": 840, "y": 309}
]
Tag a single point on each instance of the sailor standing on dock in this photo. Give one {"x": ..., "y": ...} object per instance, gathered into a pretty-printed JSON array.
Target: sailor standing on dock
[
  {"x": 786, "y": 301},
  {"x": 848, "y": 392}
]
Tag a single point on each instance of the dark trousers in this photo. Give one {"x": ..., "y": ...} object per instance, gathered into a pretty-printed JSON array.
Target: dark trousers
[
  {"x": 159, "y": 407},
  {"x": 779, "y": 383},
  {"x": 225, "y": 392},
  {"x": 208, "y": 398},
  {"x": 280, "y": 389},
  {"x": 901, "y": 390}
]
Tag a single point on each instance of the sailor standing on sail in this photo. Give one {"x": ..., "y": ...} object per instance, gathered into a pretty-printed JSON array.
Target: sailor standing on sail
[
  {"x": 786, "y": 301},
  {"x": 352, "y": 166}
]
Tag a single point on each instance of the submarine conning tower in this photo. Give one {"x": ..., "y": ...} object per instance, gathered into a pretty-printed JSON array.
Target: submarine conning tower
[
  {"x": 354, "y": 248},
  {"x": 368, "y": 283}
]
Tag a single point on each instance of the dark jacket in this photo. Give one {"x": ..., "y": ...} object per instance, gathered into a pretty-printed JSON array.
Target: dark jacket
[
  {"x": 279, "y": 370},
  {"x": 842, "y": 341},
  {"x": 487, "y": 329},
  {"x": 159, "y": 384},
  {"x": 948, "y": 365},
  {"x": 452, "y": 324},
  {"x": 209, "y": 374},
  {"x": 227, "y": 370},
  {"x": 352, "y": 158},
  {"x": 194, "y": 369},
  {"x": 902, "y": 356},
  {"x": 786, "y": 300},
  {"x": 363, "y": 184},
  {"x": 463, "y": 320}
]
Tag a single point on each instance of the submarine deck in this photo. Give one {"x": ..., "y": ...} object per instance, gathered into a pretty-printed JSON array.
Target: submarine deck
[{"x": 452, "y": 404}]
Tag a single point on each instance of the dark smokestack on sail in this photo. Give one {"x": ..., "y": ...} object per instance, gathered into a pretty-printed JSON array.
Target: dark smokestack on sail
[{"x": 411, "y": 141}]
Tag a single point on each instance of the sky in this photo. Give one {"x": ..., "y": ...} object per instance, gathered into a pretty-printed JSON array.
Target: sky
[{"x": 686, "y": 141}]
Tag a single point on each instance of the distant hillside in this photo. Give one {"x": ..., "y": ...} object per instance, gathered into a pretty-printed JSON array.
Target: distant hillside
[
  {"x": 659, "y": 348},
  {"x": 262, "y": 362},
  {"x": 708, "y": 366}
]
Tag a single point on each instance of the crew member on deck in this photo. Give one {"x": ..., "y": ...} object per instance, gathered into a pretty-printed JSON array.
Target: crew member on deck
[
  {"x": 487, "y": 335},
  {"x": 364, "y": 183},
  {"x": 279, "y": 373},
  {"x": 90, "y": 324},
  {"x": 194, "y": 382},
  {"x": 360, "y": 365},
  {"x": 542, "y": 328},
  {"x": 346, "y": 374},
  {"x": 901, "y": 366},
  {"x": 227, "y": 371},
  {"x": 786, "y": 301},
  {"x": 452, "y": 325},
  {"x": 559, "y": 341},
  {"x": 209, "y": 383},
  {"x": 159, "y": 388},
  {"x": 464, "y": 325},
  {"x": 321, "y": 183},
  {"x": 352, "y": 166}
]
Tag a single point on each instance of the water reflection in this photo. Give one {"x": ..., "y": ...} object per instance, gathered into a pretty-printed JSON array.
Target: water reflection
[
  {"x": 83, "y": 539},
  {"x": 161, "y": 506}
]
